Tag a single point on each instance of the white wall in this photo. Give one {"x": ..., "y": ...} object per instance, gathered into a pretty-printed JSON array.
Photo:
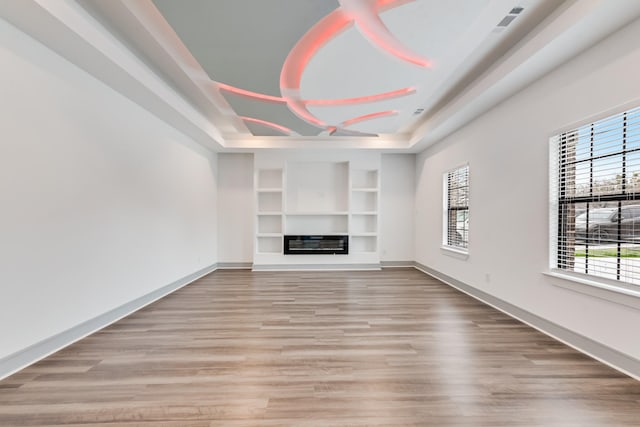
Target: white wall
[
  {"x": 235, "y": 208},
  {"x": 397, "y": 190},
  {"x": 507, "y": 151},
  {"x": 101, "y": 202}
]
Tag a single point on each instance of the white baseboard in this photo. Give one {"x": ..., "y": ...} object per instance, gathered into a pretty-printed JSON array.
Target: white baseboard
[
  {"x": 397, "y": 264},
  {"x": 316, "y": 267},
  {"x": 235, "y": 265},
  {"x": 25, "y": 357},
  {"x": 617, "y": 360}
]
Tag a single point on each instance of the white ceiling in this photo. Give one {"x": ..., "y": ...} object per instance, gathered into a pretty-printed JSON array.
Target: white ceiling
[{"x": 248, "y": 74}]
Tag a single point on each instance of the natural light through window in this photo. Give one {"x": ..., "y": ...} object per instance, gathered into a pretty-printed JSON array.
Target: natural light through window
[
  {"x": 456, "y": 221},
  {"x": 595, "y": 188}
]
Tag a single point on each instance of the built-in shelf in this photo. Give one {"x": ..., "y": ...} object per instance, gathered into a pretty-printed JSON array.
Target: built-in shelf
[
  {"x": 363, "y": 243},
  {"x": 269, "y": 224},
  {"x": 269, "y": 190},
  {"x": 361, "y": 178},
  {"x": 269, "y": 206},
  {"x": 363, "y": 225},
  {"x": 269, "y": 178},
  {"x": 315, "y": 213},
  {"x": 270, "y": 202},
  {"x": 269, "y": 244}
]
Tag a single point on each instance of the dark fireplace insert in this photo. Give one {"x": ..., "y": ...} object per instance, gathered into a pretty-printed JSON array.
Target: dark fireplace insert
[{"x": 316, "y": 245}]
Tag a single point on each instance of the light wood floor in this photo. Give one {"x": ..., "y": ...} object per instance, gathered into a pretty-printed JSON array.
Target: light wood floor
[{"x": 390, "y": 348}]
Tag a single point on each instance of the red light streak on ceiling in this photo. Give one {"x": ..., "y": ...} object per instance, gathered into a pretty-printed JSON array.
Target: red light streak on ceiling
[
  {"x": 367, "y": 18},
  {"x": 368, "y": 117},
  {"x": 275, "y": 126},
  {"x": 363, "y": 99},
  {"x": 250, "y": 94},
  {"x": 300, "y": 55}
]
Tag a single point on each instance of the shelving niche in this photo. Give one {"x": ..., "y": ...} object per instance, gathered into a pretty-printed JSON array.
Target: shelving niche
[
  {"x": 269, "y": 203},
  {"x": 364, "y": 210}
]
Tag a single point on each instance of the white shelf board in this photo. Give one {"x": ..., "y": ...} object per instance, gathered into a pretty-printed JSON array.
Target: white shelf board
[
  {"x": 316, "y": 213},
  {"x": 265, "y": 213},
  {"x": 364, "y": 234},
  {"x": 269, "y": 235},
  {"x": 269, "y": 190},
  {"x": 365, "y": 213},
  {"x": 366, "y": 190}
]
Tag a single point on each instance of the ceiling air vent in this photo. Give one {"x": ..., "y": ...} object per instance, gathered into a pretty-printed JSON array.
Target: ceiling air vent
[
  {"x": 513, "y": 14},
  {"x": 418, "y": 111},
  {"x": 506, "y": 20}
]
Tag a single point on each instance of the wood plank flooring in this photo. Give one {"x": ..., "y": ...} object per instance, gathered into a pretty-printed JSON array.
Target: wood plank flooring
[{"x": 390, "y": 348}]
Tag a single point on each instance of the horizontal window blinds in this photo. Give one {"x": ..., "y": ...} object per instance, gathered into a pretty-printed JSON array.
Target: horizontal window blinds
[
  {"x": 458, "y": 207},
  {"x": 596, "y": 188}
]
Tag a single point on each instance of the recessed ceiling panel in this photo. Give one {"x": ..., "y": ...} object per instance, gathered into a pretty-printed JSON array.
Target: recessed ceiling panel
[
  {"x": 243, "y": 43},
  {"x": 315, "y": 67},
  {"x": 278, "y": 114}
]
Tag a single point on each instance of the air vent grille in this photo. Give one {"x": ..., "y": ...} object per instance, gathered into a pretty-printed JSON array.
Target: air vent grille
[{"x": 506, "y": 20}]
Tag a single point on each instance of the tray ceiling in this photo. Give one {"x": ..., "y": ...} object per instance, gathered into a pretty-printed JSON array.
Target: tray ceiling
[{"x": 316, "y": 68}]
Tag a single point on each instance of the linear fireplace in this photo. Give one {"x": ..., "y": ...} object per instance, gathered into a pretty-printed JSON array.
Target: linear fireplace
[{"x": 316, "y": 245}]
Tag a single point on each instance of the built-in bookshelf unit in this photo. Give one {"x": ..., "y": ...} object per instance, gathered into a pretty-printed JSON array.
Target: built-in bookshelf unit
[
  {"x": 316, "y": 194},
  {"x": 269, "y": 203},
  {"x": 365, "y": 184}
]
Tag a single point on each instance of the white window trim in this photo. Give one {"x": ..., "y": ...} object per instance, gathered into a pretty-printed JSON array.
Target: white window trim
[
  {"x": 455, "y": 251},
  {"x": 610, "y": 290},
  {"x": 600, "y": 287},
  {"x": 445, "y": 248}
]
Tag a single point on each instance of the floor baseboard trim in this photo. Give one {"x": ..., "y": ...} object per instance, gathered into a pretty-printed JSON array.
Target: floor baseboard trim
[
  {"x": 617, "y": 360},
  {"x": 235, "y": 265},
  {"x": 315, "y": 267},
  {"x": 38, "y": 351},
  {"x": 396, "y": 264}
]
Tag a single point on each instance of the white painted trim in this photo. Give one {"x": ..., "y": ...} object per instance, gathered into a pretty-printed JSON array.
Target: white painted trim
[
  {"x": 316, "y": 267},
  {"x": 618, "y": 109},
  {"x": 396, "y": 264},
  {"x": 38, "y": 351},
  {"x": 611, "y": 357},
  {"x": 599, "y": 289},
  {"x": 454, "y": 252},
  {"x": 235, "y": 265}
]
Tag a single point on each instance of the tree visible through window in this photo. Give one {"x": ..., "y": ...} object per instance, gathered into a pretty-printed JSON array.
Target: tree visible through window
[
  {"x": 597, "y": 195},
  {"x": 457, "y": 213}
]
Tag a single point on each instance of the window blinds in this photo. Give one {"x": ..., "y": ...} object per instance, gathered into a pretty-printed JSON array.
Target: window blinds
[
  {"x": 458, "y": 207},
  {"x": 596, "y": 198}
]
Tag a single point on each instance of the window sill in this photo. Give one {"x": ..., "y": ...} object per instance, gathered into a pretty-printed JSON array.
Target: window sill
[
  {"x": 454, "y": 252},
  {"x": 613, "y": 292}
]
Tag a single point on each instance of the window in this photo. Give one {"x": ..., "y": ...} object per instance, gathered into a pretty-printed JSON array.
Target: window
[
  {"x": 456, "y": 221},
  {"x": 595, "y": 189}
]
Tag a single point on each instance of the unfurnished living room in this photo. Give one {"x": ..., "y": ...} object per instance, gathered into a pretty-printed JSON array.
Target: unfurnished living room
[{"x": 319, "y": 213}]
